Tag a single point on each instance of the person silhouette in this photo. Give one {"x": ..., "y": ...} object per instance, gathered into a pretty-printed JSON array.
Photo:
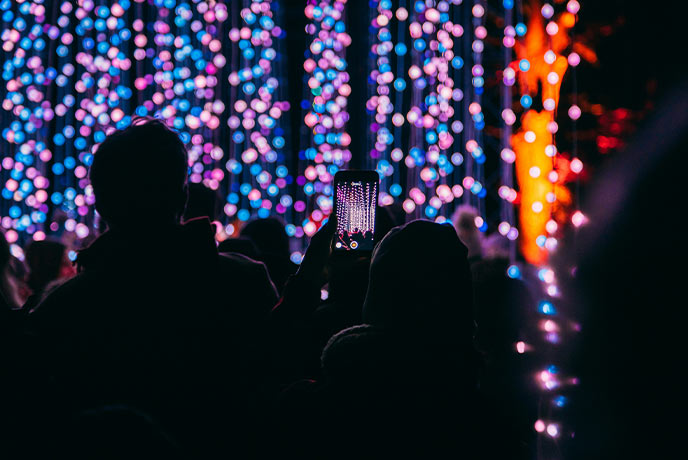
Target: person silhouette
[
  {"x": 156, "y": 317},
  {"x": 405, "y": 383}
]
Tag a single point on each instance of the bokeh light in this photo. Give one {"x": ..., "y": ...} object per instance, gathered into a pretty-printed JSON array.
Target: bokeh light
[{"x": 73, "y": 77}]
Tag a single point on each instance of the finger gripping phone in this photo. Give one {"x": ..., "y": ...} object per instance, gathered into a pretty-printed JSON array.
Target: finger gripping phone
[{"x": 355, "y": 200}]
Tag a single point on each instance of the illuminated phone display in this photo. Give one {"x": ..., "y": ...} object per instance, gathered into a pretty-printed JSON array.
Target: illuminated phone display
[{"x": 355, "y": 203}]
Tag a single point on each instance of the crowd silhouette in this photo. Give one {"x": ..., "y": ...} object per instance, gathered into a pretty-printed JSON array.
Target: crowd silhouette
[{"x": 160, "y": 343}]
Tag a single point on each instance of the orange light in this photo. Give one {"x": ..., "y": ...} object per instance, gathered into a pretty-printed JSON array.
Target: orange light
[{"x": 531, "y": 141}]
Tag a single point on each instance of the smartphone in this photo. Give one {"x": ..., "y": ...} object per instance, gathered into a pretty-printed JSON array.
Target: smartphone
[{"x": 355, "y": 201}]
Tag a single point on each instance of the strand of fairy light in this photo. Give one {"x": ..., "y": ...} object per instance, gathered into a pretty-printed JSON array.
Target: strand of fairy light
[
  {"x": 385, "y": 106},
  {"x": 430, "y": 162},
  {"x": 550, "y": 378},
  {"x": 474, "y": 179},
  {"x": 574, "y": 113},
  {"x": 506, "y": 191},
  {"x": 326, "y": 118},
  {"x": 440, "y": 106},
  {"x": 434, "y": 95},
  {"x": 381, "y": 105},
  {"x": 260, "y": 176}
]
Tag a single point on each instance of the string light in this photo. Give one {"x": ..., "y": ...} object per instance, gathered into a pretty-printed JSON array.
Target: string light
[
  {"x": 328, "y": 89},
  {"x": 76, "y": 76},
  {"x": 415, "y": 49}
]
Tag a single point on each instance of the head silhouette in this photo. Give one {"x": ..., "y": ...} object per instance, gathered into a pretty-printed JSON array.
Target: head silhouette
[
  {"x": 420, "y": 280},
  {"x": 139, "y": 175},
  {"x": 268, "y": 235}
]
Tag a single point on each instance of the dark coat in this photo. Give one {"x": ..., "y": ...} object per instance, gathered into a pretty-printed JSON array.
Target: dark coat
[{"x": 166, "y": 325}]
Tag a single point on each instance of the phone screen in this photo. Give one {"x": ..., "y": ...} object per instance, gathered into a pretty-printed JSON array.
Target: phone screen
[{"x": 355, "y": 203}]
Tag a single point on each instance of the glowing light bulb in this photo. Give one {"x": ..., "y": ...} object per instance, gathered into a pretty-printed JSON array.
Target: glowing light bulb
[
  {"x": 520, "y": 347},
  {"x": 576, "y": 165},
  {"x": 578, "y": 219},
  {"x": 547, "y": 10},
  {"x": 574, "y": 112},
  {"x": 553, "y": 430},
  {"x": 550, "y": 57}
]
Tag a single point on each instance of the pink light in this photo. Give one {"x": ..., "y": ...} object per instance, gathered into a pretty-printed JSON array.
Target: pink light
[
  {"x": 578, "y": 219},
  {"x": 521, "y": 347},
  {"x": 574, "y": 112}
]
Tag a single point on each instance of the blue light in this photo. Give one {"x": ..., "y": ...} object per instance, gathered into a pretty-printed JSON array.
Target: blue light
[
  {"x": 56, "y": 198},
  {"x": 430, "y": 212},
  {"x": 521, "y": 29},
  {"x": 513, "y": 272},
  {"x": 245, "y": 189},
  {"x": 296, "y": 257},
  {"x": 546, "y": 308},
  {"x": 243, "y": 215},
  {"x": 526, "y": 101}
]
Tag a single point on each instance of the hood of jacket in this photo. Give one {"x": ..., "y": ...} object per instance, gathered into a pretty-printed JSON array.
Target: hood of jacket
[{"x": 420, "y": 280}]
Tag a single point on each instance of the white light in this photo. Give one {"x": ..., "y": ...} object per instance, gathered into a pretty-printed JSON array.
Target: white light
[
  {"x": 552, "y": 78},
  {"x": 550, "y": 57},
  {"x": 549, "y": 104},
  {"x": 553, "y": 430},
  {"x": 576, "y": 165},
  {"x": 552, "y": 290},
  {"x": 551, "y": 226},
  {"x": 551, "y": 244}
]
